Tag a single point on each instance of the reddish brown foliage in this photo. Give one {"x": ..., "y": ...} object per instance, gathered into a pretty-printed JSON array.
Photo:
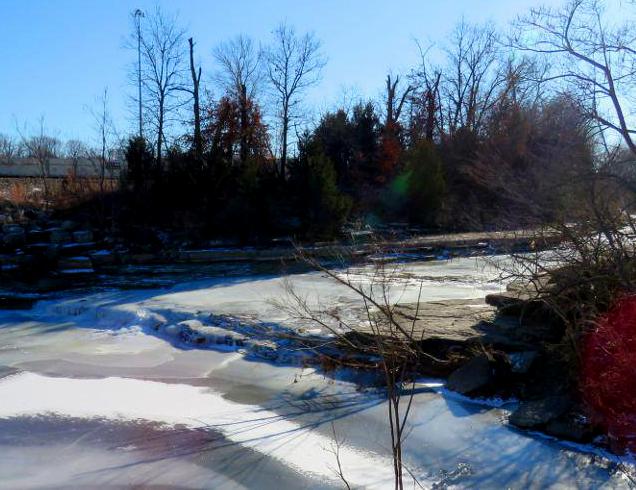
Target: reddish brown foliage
[
  {"x": 609, "y": 374},
  {"x": 225, "y": 131},
  {"x": 390, "y": 150}
]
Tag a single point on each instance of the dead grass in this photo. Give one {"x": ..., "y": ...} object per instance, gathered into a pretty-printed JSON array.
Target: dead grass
[{"x": 62, "y": 193}]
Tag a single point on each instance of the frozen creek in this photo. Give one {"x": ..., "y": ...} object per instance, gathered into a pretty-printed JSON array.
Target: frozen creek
[{"x": 91, "y": 397}]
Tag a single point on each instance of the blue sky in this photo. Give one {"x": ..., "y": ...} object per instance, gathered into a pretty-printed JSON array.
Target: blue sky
[{"x": 59, "y": 55}]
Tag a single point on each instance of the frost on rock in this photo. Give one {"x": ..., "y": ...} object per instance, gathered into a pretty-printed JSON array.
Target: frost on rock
[{"x": 195, "y": 333}]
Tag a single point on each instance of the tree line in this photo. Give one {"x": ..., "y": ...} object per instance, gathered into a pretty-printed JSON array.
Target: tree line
[{"x": 504, "y": 130}]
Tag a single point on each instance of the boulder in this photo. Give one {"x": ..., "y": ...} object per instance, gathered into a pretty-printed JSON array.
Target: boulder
[
  {"x": 68, "y": 225},
  {"x": 144, "y": 258},
  {"x": 37, "y": 236},
  {"x": 75, "y": 249},
  {"x": 509, "y": 304},
  {"x": 520, "y": 362},
  {"x": 75, "y": 265},
  {"x": 265, "y": 349},
  {"x": 537, "y": 413},
  {"x": 14, "y": 239},
  {"x": 570, "y": 426},
  {"x": 103, "y": 258},
  {"x": 11, "y": 302},
  {"x": 83, "y": 236},
  {"x": 476, "y": 375},
  {"x": 12, "y": 228},
  {"x": 9, "y": 262},
  {"x": 46, "y": 250},
  {"x": 58, "y": 235}
]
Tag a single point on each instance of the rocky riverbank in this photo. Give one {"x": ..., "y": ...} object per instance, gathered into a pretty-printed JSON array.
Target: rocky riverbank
[
  {"x": 508, "y": 350},
  {"x": 507, "y": 347},
  {"x": 40, "y": 254}
]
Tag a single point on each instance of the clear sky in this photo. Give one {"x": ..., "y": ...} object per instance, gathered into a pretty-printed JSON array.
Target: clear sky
[{"x": 57, "y": 56}]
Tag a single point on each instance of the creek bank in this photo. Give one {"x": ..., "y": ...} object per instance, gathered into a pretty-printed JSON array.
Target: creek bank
[
  {"x": 42, "y": 254},
  {"x": 510, "y": 352}
]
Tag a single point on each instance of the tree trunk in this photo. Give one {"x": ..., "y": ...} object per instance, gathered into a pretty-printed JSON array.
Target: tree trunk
[
  {"x": 244, "y": 124},
  {"x": 431, "y": 108},
  {"x": 160, "y": 137},
  {"x": 196, "y": 79},
  {"x": 283, "y": 157},
  {"x": 390, "y": 98}
]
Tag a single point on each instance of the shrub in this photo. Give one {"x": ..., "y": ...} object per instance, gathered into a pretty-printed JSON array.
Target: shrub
[
  {"x": 323, "y": 207},
  {"x": 609, "y": 373},
  {"x": 417, "y": 193}
]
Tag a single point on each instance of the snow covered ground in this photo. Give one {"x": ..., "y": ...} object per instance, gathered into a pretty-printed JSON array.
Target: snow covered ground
[{"x": 92, "y": 395}]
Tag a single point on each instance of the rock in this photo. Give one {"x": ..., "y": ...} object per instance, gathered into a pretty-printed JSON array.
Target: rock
[
  {"x": 36, "y": 236},
  {"x": 58, "y": 235},
  {"x": 196, "y": 333},
  {"x": 198, "y": 255},
  {"x": 265, "y": 349},
  {"x": 498, "y": 299},
  {"x": 12, "y": 228},
  {"x": 9, "y": 263},
  {"x": 74, "y": 262},
  {"x": 75, "y": 265},
  {"x": 187, "y": 332},
  {"x": 570, "y": 426},
  {"x": 83, "y": 236},
  {"x": 455, "y": 320},
  {"x": 473, "y": 376},
  {"x": 147, "y": 258},
  {"x": 524, "y": 304},
  {"x": 509, "y": 304},
  {"x": 14, "y": 239},
  {"x": 520, "y": 362},
  {"x": 68, "y": 225},
  {"x": 537, "y": 413},
  {"x": 11, "y": 302},
  {"x": 103, "y": 258},
  {"x": 47, "y": 284},
  {"x": 76, "y": 249},
  {"x": 46, "y": 250}
]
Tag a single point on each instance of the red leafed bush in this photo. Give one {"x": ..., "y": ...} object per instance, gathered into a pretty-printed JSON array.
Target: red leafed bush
[{"x": 609, "y": 374}]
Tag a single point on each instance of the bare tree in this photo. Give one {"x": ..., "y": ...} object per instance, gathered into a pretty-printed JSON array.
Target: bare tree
[
  {"x": 9, "y": 148},
  {"x": 163, "y": 68},
  {"x": 240, "y": 76},
  {"x": 427, "y": 114},
  {"x": 137, "y": 15},
  {"x": 593, "y": 57},
  {"x": 470, "y": 84},
  {"x": 104, "y": 129},
  {"x": 395, "y": 101},
  {"x": 239, "y": 67},
  {"x": 294, "y": 63},
  {"x": 75, "y": 151},
  {"x": 42, "y": 148}
]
